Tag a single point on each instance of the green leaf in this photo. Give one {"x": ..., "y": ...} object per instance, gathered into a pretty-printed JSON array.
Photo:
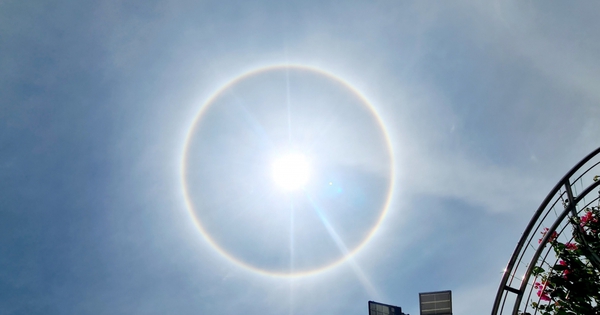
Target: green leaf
[{"x": 537, "y": 270}]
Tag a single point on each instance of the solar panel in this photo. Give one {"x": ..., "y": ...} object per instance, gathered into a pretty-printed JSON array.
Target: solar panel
[
  {"x": 376, "y": 308},
  {"x": 436, "y": 303}
]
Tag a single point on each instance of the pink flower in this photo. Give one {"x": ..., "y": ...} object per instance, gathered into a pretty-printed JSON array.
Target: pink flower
[
  {"x": 588, "y": 217},
  {"x": 543, "y": 295},
  {"x": 566, "y": 271},
  {"x": 552, "y": 237},
  {"x": 540, "y": 285},
  {"x": 571, "y": 246}
]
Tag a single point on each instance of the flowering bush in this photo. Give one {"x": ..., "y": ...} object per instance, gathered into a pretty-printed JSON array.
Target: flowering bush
[{"x": 572, "y": 285}]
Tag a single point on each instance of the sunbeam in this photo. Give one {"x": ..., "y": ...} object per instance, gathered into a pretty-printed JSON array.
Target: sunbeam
[{"x": 344, "y": 250}]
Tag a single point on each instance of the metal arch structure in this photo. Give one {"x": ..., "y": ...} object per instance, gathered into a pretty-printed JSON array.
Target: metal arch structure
[{"x": 571, "y": 195}]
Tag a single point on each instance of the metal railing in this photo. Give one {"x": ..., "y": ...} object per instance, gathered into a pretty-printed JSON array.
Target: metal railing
[{"x": 571, "y": 195}]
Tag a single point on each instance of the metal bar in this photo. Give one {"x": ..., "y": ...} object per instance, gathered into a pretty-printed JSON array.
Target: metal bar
[{"x": 511, "y": 289}]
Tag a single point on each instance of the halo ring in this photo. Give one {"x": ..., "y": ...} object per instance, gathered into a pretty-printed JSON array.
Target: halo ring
[{"x": 198, "y": 223}]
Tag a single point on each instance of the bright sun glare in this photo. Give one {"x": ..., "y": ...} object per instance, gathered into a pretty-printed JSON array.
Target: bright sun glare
[{"x": 291, "y": 171}]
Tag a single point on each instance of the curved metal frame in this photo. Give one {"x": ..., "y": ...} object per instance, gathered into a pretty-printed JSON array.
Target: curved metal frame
[{"x": 563, "y": 201}]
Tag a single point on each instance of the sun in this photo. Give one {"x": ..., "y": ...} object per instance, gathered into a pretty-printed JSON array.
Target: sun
[{"x": 291, "y": 171}]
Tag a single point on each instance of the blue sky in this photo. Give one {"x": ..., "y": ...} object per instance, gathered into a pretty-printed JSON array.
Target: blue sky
[{"x": 486, "y": 106}]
